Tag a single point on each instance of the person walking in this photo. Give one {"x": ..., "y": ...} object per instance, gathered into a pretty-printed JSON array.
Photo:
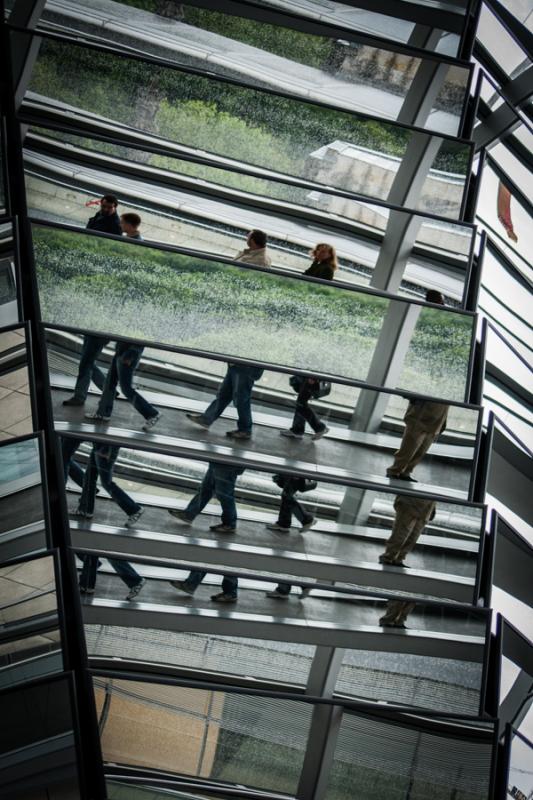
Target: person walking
[
  {"x": 256, "y": 252},
  {"x": 237, "y": 388},
  {"x": 106, "y": 220},
  {"x": 219, "y": 480},
  {"x": 308, "y": 388},
  {"x": 396, "y": 613},
  {"x": 121, "y": 372},
  {"x": 100, "y": 464},
  {"x": 290, "y": 484},
  {"x": 411, "y": 517},
  {"x": 324, "y": 262},
  {"x": 424, "y": 420}
]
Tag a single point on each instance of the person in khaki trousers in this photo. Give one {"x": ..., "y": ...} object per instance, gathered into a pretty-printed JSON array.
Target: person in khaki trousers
[
  {"x": 396, "y": 612},
  {"x": 424, "y": 422},
  {"x": 412, "y": 516}
]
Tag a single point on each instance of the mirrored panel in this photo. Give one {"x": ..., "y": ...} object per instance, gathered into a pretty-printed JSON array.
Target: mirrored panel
[
  {"x": 22, "y": 525},
  {"x": 9, "y": 310},
  {"x": 314, "y": 529},
  {"x": 520, "y": 774},
  {"x": 213, "y": 210},
  {"x": 248, "y": 312},
  {"x": 406, "y": 25},
  {"x": 232, "y": 657},
  {"x": 15, "y": 401},
  {"x": 331, "y": 430},
  {"x": 37, "y": 749},
  {"x": 516, "y": 678},
  {"x": 391, "y": 760},
  {"x": 233, "y": 738},
  {"x": 28, "y": 592},
  {"x": 346, "y": 74},
  {"x": 209, "y": 117}
]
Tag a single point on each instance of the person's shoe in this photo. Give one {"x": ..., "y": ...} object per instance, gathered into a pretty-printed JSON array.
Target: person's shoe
[
  {"x": 151, "y": 422},
  {"x": 180, "y": 516},
  {"x": 306, "y": 591},
  {"x": 86, "y": 590},
  {"x": 390, "y": 473},
  {"x": 198, "y": 419},
  {"x": 222, "y": 597},
  {"x": 277, "y": 594},
  {"x": 134, "y": 591},
  {"x": 383, "y": 559},
  {"x": 387, "y": 623},
  {"x": 319, "y": 434},
  {"x": 238, "y": 435},
  {"x": 307, "y": 525},
  {"x": 73, "y": 401},
  {"x": 406, "y": 476},
  {"x": 279, "y": 528},
  {"x": 96, "y": 416},
  {"x": 291, "y": 435},
  {"x": 133, "y": 518},
  {"x": 183, "y": 586},
  {"x": 77, "y": 512},
  {"x": 221, "y": 528}
]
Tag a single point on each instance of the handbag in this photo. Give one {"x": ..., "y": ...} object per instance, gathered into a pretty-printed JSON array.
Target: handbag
[{"x": 319, "y": 389}]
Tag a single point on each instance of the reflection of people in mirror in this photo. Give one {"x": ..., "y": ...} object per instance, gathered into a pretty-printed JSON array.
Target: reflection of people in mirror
[
  {"x": 424, "y": 422},
  {"x": 411, "y": 517},
  {"x": 237, "y": 388},
  {"x": 289, "y": 505},
  {"x": 324, "y": 262},
  {"x": 396, "y": 613},
  {"x": 130, "y": 224},
  {"x": 256, "y": 252},
  {"x": 307, "y": 389}
]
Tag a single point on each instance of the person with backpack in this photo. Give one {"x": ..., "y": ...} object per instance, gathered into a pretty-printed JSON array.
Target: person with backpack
[
  {"x": 307, "y": 389},
  {"x": 290, "y": 484}
]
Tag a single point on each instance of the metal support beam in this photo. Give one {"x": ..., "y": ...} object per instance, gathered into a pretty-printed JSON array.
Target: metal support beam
[
  {"x": 26, "y": 48},
  {"x": 325, "y": 725}
]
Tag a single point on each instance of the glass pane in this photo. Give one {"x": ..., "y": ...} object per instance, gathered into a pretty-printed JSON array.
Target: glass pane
[
  {"x": 29, "y": 658},
  {"x": 441, "y": 684},
  {"x": 394, "y": 761},
  {"x": 303, "y": 140},
  {"x": 183, "y": 216},
  {"x": 15, "y": 403},
  {"x": 27, "y": 591},
  {"x": 21, "y": 500},
  {"x": 376, "y": 22},
  {"x": 179, "y": 299},
  {"x": 501, "y": 44},
  {"x": 37, "y": 748},
  {"x": 242, "y": 739},
  {"x": 9, "y": 313},
  {"x": 283, "y": 662},
  {"x": 520, "y": 784},
  {"x": 361, "y": 430},
  {"x": 346, "y": 74}
]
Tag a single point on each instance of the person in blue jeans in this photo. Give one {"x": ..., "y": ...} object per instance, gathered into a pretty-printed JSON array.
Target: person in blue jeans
[
  {"x": 106, "y": 220},
  {"x": 87, "y": 370},
  {"x": 121, "y": 371},
  {"x": 219, "y": 480},
  {"x": 237, "y": 388},
  {"x": 101, "y": 464}
]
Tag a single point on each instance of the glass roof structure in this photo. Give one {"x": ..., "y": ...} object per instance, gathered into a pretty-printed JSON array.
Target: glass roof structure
[{"x": 265, "y": 400}]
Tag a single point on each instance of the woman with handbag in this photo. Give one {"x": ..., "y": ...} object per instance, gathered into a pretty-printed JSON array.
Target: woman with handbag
[{"x": 307, "y": 389}]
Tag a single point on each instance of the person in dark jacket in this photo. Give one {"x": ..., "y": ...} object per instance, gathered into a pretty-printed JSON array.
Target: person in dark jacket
[
  {"x": 106, "y": 221},
  {"x": 324, "y": 262}
]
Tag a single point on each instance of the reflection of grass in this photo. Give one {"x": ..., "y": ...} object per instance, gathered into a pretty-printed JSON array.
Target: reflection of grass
[{"x": 174, "y": 299}]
